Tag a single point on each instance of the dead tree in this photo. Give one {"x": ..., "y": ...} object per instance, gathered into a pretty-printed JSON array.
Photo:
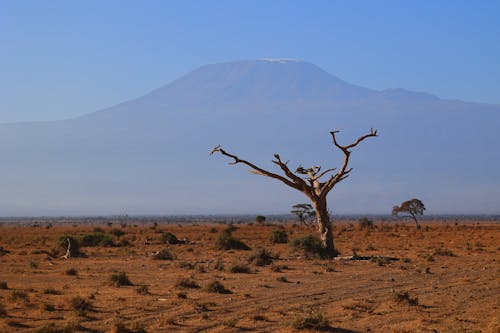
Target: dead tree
[
  {"x": 68, "y": 250},
  {"x": 308, "y": 181}
]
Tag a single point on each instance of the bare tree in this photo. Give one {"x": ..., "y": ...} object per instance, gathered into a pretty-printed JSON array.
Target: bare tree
[
  {"x": 308, "y": 181},
  {"x": 413, "y": 208}
]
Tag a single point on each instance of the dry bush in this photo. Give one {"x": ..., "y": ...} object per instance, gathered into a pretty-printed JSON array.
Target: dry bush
[
  {"x": 316, "y": 322},
  {"x": 163, "y": 254},
  {"x": 187, "y": 283},
  {"x": 310, "y": 245},
  {"x": 404, "y": 297},
  {"x": 279, "y": 237},
  {"x": 71, "y": 271},
  {"x": 3, "y": 312},
  {"x": 53, "y": 328},
  {"x": 170, "y": 238},
  {"x": 226, "y": 241},
  {"x": 217, "y": 287},
  {"x": 3, "y": 285},
  {"x": 80, "y": 305},
  {"x": 119, "y": 279},
  {"x": 261, "y": 257},
  {"x": 239, "y": 268}
]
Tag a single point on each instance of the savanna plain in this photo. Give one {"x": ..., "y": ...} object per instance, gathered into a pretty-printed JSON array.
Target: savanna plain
[{"x": 220, "y": 277}]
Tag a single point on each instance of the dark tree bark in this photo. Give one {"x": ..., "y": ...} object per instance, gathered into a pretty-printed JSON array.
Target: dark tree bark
[{"x": 308, "y": 181}]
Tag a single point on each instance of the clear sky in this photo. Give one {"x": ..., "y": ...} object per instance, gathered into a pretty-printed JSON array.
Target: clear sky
[{"x": 59, "y": 59}]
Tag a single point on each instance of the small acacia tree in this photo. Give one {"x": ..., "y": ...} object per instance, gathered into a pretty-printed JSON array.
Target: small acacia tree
[
  {"x": 308, "y": 181},
  {"x": 304, "y": 212},
  {"x": 412, "y": 208}
]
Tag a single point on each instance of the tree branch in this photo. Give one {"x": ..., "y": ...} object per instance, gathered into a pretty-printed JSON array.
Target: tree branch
[
  {"x": 256, "y": 169},
  {"x": 343, "y": 172}
]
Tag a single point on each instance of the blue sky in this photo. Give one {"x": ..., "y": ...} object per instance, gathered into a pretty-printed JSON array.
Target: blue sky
[{"x": 59, "y": 59}]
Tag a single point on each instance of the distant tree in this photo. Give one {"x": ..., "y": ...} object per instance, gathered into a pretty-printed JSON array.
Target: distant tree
[
  {"x": 260, "y": 218},
  {"x": 310, "y": 182},
  {"x": 305, "y": 213},
  {"x": 412, "y": 208}
]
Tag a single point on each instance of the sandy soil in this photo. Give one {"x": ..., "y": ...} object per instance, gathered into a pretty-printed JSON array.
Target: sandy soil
[{"x": 450, "y": 272}]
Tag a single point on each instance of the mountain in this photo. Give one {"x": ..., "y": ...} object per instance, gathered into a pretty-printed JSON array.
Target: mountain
[{"x": 150, "y": 155}]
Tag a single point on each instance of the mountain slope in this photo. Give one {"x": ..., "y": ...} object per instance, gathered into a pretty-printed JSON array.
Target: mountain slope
[{"x": 150, "y": 155}]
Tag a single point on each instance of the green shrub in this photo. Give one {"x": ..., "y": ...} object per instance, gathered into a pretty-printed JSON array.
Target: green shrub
[
  {"x": 261, "y": 257},
  {"x": 310, "y": 245},
  {"x": 170, "y": 238},
  {"x": 279, "y": 236},
  {"x": 315, "y": 322},
  {"x": 62, "y": 245},
  {"x": 96, "y": 239},
  {"x": 226, "y": 241},
  {"x": 119, "y": 279},
  {"x": 260, "y": 218}
]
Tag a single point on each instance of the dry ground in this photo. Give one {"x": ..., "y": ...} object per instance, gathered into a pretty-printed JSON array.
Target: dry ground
[{"x": 451, "y": 270}]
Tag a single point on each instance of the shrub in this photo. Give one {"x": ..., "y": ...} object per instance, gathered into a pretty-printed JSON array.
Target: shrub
[
  {"x": 3, "y": 312},
  {"x": 51, "y": 291},
  {"x": 310, "y": 245},
  {"x": 62, "y": 245},
  {"x": 52, "y": 328},
  {"x": 3, "y": 285},
  {"x": 142, "y": 290},
  {"x": 187, "y": 283},
  {"x": 19, "y": 295},
  {"x": 119, "y": 279},
  {"x": 282, "y": 279},
  {"x": 260, "y": 219},
  {"x": 117, "y": 232},
  {"x": 443, "y": 252},
  {"x": 239, "y": 268},
  {"x": 365, "y": 223},
  {"x": 315, "y": 322},
  {"x": 163, "y": 254},
  {"x": 217, "y": 287},
  {"x": 96, "y": 239},
  {"x": 80, "y": 305},
  {"x": 48, "y": 307},
  {"x": 279, "y": 236},
  {"x": 181, "y": 295},
  {"x": 71, "y": 271},
  {"x": 261, "y": 257},
  {"x": 170, "y": 238},
  {"x": 226, "y": 241},
  {"x": 404, "y": 297}
]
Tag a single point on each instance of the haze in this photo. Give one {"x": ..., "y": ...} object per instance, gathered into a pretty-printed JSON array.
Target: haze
[{"x": 172, "y": 80}]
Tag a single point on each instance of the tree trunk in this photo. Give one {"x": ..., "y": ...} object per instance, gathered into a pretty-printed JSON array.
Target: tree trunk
[
  {"x": 325, "y": 229},
  {"x": 416, "y": 222}
]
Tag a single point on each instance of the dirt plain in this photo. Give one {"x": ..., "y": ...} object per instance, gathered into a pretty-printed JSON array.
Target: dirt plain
[{"x": 449, "y": 272}]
